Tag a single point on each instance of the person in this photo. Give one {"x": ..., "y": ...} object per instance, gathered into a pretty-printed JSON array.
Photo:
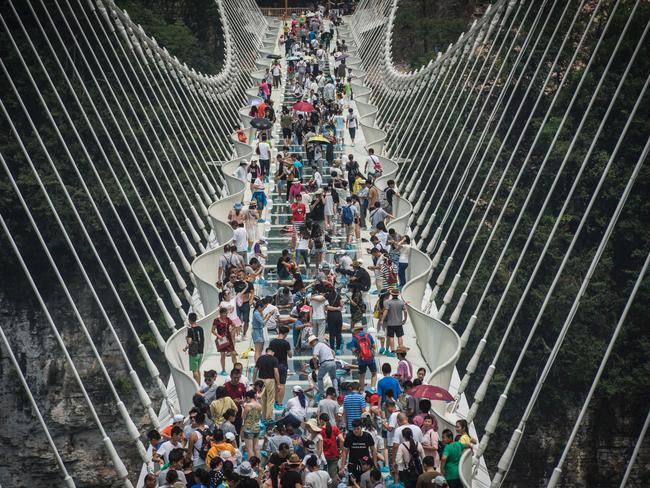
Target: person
[
  {"x": 394, "y": 317},
  {"x": 377, "y": 214},
  {"x": 326, "y": 363},
  {"x": 282, "y": 351},
  {"x": 296, "y": 409},
  {"x": 462, "y": 430},
  {"x": 291, "y": 478},
  {"x": 150, "y": 481},
  {"x": 373, "y": 165},
  {"x": 220, "y": 405},
  {"x": 408, "y": 459},
  {"x": 195, "y": 341},
  {"x": 353, "y": 405},
  {"x": 315, "y": 477},
  {"x": 419, "y": 380},
  {"x": 363, "y": 346},
  {"x": 313, "y": 432},
  {"x": 266, "y": 369},
  {"x": 222, "y": 329},
  {"x": 360, "y": 278},
  {"x": 253, "y": 215},
  {"x": 389, "y": 193},
  {"x": 237, "y": 214},
  {"x": 334, "y": 319},
  {"x": 387, "y": 383},
  {"x": 219, "y": 445},
  {"x": 352, "y": 169},
  {"x": 429, "y": 477},
  {"x": 348, "y": 216},
  {"x": 251, "y": 416},
  {"x": 207, "y": 390},
  {"x": 328, "y": 405},
  {"x": 430, "y": 439},
  {"x": 228, "y": 425},
  {"x": 264, "y": 152},
  {"x": 403, "y": 423},
  {"x": 176, "y": 457},
  {"x": 276, "y": 462},
  {"x": 198, "y": 437},
  {"x": 246, "y": 290},
  {"x": 404, "y": 366},
  {"x": 303, "y": 248},
  {"x": 450, "y": 459},
  {"x": 176, "y": 442},
  {"x": 357, "y": 445},
  {"x": 276, "y": 71},
  {"x": 351, "y": 121},
  {"x": 404, "y": 246},
  {"x": 240, "y": 237},
  {"x": 258, "y": 328},
  {"x": 318, "y": 316},
  {"x": 298, "y": 212},
  {"x": 424, "y": 406},
  {"x": 236, "y": 390},
  {"x": 225, "y": 301},
  {"x": 332, "y": 440}
]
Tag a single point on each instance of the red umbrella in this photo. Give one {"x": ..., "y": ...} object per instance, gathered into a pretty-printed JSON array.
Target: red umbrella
[
  {"x": 303, "y": 107},
  {"x": 431, "y": 392}
]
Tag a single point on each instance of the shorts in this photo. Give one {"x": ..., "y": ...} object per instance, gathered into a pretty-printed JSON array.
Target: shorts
[
  {"x": 365, "y": 365},
  {"x": 395, "y": 330},
  {"x": 258, "y": 336},
  {"x": 297, "y": 226},
  {"x": 248, "y": 435},
  {"x": 283, "y": 369},
  {"x": 195, "y": 362},
  {"x": 349, "y": 229},
  {"x": 244, "y": 311},
  {"x": 286, "y": 133}
]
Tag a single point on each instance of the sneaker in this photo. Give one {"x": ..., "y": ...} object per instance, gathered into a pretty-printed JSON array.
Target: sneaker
[
  {"x": 390, "y": 354},
  {"x": 385, "y": 469},
  {"x": 223, "y": 373},
  {"x": 374, "y": 292},
  {"x": 278, "y": 406},
  {"x": 382, "y": 350}
]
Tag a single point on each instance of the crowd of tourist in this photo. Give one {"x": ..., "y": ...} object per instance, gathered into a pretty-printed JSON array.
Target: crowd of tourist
[{"x": 343, "y": 423}]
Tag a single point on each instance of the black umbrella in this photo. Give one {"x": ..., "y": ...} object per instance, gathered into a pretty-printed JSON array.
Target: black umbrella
[
  {"x": 273, "y": 56},
  {"x": 261, "y": 123}
]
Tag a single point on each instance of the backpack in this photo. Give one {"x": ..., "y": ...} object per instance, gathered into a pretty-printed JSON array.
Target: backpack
[
  {"x": 205, "y": 446},
  {"x": 365, "y": 283},
  {"x": 415, "y": 463},
  {"x": 346, "y": 214},
  {"x": 227, "y": 269},
  {"x": 365, "y": 347}
]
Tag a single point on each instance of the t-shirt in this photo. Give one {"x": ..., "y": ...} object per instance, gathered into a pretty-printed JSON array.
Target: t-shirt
[
  {"x": 392, "y": 422},
  {"x": 167, "y": 447},
  {"x": 323, "y": 352},
  {"x": 330, "y": 447},
  {"x": 295, "y": 408},
  {"x": 352, "y": 121},
  {"x": 272, "y": 320},
  {"x": 358, "y": 446},
  {"x": 298, "y": 212},
  {"x": 395, "y": 308},
  {"x": 241, "y": 239},
  {"x": 281, "y": 348},
  {"x": 162, "y": 477},
  {"x": 425, "y": 480},
  {"x": 236, "y": 391},
  {"x": 330, "y": 407},
  {"x": 265, "y": 367},
  {"x": 377, "y": 215},
  {"x": 318, "y": 309},
  {"x": 353, "y": 404},
  {"x": 198, "y": 337},
  {"x": 388, "y": 383},
  {"x": 453, "y": 451},
  {"x": 317, "y": 479},
  {"x": 398, "y": 438},
  {"x": 290, "y": 479},
  {"x": 265, "y": 150}
]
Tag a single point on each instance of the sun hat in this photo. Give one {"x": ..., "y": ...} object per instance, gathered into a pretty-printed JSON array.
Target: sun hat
[
  {"x": 293, "y": 460},
  {"x": 312, "y": 338},
  {"x": 313, "y": 425},
  {"x": 237, "y": 206},
  {"x": 246, "y": 470},
  {"x": 402, "y": 349},
  {"x": 357, "y": 327},
  {"x": 178, "y": 418},
  {"x": 297, "y": 388},
  {"x": 394, "y": 292},
  {"x": 252, "y": 203}
]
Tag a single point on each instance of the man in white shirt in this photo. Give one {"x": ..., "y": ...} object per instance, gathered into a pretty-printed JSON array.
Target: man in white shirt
[
  {"x": 271, "y": 315},
  {"x": 241, "y": 239},
  {"x": 264, "y": 151},
  {"x": 345, "y": 261},
  {"x": 326, "y": 363},
  {"x": 403, "y": 423},
  {"x": 176, "y": 442},
  {"x": 372, "y": 164},
  {"x": 242, "y": 170},
  {"x": 318, "y": 315}
]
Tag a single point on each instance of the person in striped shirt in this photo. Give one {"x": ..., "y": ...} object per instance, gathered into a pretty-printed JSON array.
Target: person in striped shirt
[{"x": 353, "y": 405}]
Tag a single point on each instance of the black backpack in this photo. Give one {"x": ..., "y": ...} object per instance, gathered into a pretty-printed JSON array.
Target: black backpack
[
  {"x": 415, "y": 463},
  {"x": 205, "y": 444}
]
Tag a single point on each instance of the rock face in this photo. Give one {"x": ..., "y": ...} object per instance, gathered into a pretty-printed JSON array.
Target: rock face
[{"x": 29, "y": 461}]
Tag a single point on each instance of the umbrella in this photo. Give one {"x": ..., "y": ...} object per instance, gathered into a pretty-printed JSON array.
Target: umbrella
[
  {"x": 341, "y": 56},
  {"x": 303, "y": 107},
  {"x": 256, "y": 101},
  {"x": 273, "y": 56},
  {"x": 431, "y": 392},
  {"x": 260, "y": 123},
  {"x": 320, "y": 139},
  {"x": 293, "y": 58}
]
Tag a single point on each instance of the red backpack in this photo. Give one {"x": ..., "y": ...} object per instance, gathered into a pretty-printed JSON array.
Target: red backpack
[{"x": 365, "y": 347}]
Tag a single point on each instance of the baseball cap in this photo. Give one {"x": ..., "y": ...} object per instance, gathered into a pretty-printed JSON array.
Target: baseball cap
[
  {"x": 230, "y": 436},
  {"x": 178, "y": 418}
]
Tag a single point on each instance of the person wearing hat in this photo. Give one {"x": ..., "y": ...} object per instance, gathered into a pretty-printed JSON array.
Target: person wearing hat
[
  {"x": 237, "y": 213},
  {"x": 377, "y": 263},
  {"x": 245, "y": 470},
  {"x": 394, "y": 318},
  {"x": 296, "y": 409},
  {"x": 258, "y": 251},
  {"x": 404, "y": 366},
  {"x": 326, "y": 363},
  {"x": 242, "y": 170},
  {"x": 292, "y": 477},
  {"x": 177, "y": 420},
  {"x": 363, "y": 346},
  {"x": 252, "y": 216},
  {"x": 314, "y": 435}
]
